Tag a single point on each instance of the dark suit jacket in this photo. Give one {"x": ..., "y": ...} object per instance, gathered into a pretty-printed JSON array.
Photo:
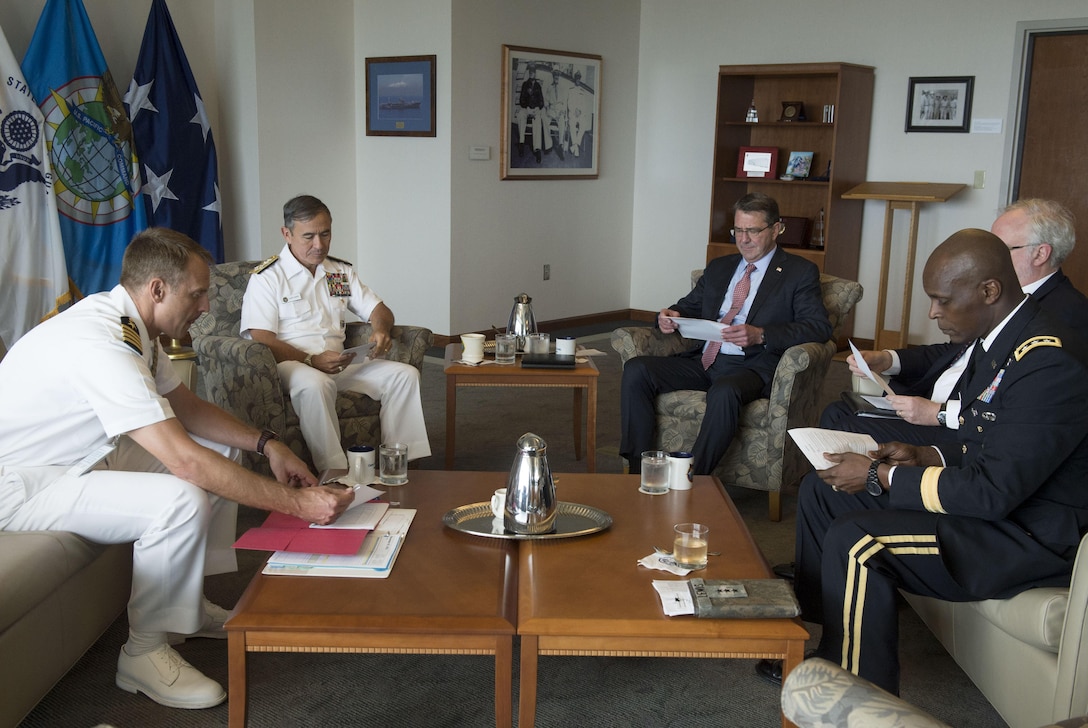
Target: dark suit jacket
[
  {"x": 922, "y": 365},
  {"x": 1016, "y": 475},
  {"x": 789, "y": 306}
]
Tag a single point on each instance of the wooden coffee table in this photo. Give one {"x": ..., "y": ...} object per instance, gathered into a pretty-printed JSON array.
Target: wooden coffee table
[
  {"x": 583, "y": 377},
  {"x": 587, "y": 596},
  {"x": 448, "y": 593}
]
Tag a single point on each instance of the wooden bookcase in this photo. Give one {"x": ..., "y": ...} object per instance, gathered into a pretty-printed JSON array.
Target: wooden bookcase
[{"x": 844, "y": 142}]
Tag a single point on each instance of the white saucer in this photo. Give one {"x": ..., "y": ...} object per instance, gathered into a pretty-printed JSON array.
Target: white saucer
[{"x": 650, "y": 492}]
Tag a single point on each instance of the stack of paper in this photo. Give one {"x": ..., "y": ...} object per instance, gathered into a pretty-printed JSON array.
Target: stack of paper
[
  {"x": 281, "y": 532},
  {"x": 373, "y": 560}
]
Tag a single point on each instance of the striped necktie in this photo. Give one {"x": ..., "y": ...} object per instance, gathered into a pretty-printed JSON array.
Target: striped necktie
[{"x": 744, "y": 285}]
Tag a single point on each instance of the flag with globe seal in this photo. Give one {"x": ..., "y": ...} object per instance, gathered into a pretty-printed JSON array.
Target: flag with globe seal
[
  {"x": 33, "y": 279},
  {"x": 173, "y": 137},
  {"x": 89, "y": 138}
]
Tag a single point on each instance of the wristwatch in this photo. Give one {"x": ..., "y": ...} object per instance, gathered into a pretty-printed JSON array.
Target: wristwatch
[
  {"x": 266, "y": 435},
  {"x": 942, "y": 416},
  {"x": 872, "y": 480},
  {"x": 309, "y": 360}
]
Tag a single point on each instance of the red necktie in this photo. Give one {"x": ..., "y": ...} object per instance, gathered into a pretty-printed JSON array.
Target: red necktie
[{"x": 739, "y": 294}]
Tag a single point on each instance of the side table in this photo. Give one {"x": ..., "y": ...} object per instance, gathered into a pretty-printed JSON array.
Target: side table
[{"x": 582, "y": 378}]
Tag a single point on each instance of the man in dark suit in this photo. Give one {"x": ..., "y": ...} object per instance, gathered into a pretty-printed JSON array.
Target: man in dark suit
[
  {"x": 999, "y": 511},
  {"x": 1040, "y": 235},
  {"x": 780, "y": 305}
]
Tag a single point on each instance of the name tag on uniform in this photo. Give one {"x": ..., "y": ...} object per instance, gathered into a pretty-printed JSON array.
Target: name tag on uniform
[
  {"x": 293, "y": 297},
  {"x": 338, "y": 284}
]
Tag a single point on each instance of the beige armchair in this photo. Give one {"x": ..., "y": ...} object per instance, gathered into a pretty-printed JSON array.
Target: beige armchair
[
  {"x": 761, "y": 456},
  {"x": 240, "y": 375}
]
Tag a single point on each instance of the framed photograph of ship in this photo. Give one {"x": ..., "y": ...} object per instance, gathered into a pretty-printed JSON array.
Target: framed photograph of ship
[
  {"x": 551, "y": 114},
  {"x": 400, "y": 96}
]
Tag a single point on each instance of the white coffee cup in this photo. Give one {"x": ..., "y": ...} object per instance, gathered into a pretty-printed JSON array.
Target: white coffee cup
[
  {"x": 474, "y": 347},
  {"x": 498, "y": 502},
  {"x": 361, "y": 464},
  {"x": 681, "y": 470},
  {"x": 565, "y": 345}
]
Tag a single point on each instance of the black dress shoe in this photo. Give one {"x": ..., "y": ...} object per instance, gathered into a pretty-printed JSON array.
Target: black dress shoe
[
  {"x": 786, "y": 571},
  {"x": 771, "y": 670}
]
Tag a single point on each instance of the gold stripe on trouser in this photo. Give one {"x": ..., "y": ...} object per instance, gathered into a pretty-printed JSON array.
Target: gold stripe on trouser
[{"x": 857, "y": 577}]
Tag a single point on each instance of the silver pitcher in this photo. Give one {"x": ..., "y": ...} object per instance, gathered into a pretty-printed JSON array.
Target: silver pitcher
[
  {"x": 522, "y": 322},
  {"x": 530, "y": 491}
]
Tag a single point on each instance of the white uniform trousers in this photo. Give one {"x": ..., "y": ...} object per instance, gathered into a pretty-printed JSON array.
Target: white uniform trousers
[
  {"x": 179, "y": 532},
  {"x": 313, "y": 395}
]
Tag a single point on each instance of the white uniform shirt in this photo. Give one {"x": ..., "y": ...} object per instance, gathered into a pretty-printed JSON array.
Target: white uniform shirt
[
  {"x": 72, "y": 383},
  {"x": 302, "y": 309}
]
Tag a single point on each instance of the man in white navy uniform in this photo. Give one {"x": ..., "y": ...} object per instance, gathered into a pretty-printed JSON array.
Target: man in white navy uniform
[
  {"x": 296, "y": 304},
  {"x": 99, "y": 437}
]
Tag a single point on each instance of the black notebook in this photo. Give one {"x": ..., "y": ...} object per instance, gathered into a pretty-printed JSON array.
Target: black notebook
[
  {"x": 862, "y": 408},
  {"x": 547, "y": 361}
]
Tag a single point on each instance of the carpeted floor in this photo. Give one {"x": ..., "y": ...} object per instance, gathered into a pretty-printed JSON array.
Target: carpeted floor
[{"x": 409, "y": 691}]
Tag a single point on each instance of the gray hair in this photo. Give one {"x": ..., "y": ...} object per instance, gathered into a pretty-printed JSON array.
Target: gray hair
[
  {"x": 1051, "y": 223},
  {"x": 303, "y": 208}
]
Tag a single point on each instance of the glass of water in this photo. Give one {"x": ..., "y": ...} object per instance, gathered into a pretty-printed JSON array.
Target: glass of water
[
  {"x": 394, "y": 463},
  {"x": 689, "y": 545},
  {"x": 655, "y": 472},
  {"x": 506, "y": 348}
]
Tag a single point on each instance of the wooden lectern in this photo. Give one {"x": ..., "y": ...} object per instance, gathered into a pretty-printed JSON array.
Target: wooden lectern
[{"x": 899, "y": 196}]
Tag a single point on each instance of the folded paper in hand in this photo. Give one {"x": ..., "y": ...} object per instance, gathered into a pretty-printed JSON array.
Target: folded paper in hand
[
  {"x": 814, "y": 442},
  {"x": 696, "y": 328}
]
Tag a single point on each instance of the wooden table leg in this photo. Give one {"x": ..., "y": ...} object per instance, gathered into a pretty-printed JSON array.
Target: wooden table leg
[
  {"x": 576, "y": 418},
  {"x": 591, "y": 427},
  {"x": 236, "y": 680},
  {"x": 527, "y": 698},
  {"x": 451, "y": 418},
  {"x": 504, "y": 682}
]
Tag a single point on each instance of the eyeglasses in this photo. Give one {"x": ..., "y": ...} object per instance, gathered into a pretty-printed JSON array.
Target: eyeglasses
[
  {"x": 1029, "y": 245},
  {"x": 750, "y": 232}
]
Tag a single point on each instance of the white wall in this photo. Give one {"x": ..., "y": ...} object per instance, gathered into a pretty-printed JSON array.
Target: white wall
[
  {"x": 403, "y": 202},
  {"x": 503, "y": 232},
  {"x": 684, "y": 41}
]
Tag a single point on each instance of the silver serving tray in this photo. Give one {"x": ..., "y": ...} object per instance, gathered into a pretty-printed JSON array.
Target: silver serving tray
[{"x": 572, "y": 519}]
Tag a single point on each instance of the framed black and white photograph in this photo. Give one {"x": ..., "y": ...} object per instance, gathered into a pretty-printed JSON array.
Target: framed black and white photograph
[
  {"x": 941, "y": 103},
  {"x": 551, "y": 114},
  {"x": 400, "y": 96}
]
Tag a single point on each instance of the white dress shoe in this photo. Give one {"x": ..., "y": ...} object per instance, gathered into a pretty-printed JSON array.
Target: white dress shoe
[
  {"x": 212, "y": 628},
  {"x": 164, "y": 676}
]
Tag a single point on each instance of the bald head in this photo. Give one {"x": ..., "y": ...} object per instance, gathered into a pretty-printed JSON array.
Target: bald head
[{"x": 971, "y": 284}]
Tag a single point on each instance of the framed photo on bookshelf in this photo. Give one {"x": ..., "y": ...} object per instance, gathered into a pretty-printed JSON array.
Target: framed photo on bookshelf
[
  {"x": 757, "y": 162},
  {"x": 799, "y": 165},
  {"x": 940, "y": 103}
]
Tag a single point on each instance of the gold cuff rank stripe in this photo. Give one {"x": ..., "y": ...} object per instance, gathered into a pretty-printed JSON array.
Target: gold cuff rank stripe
[
  {"x": 931, "y": 497},
  {"x": 1035, "y": 342},
  {"x": 130, "y": 334},
  {"x": 260, "y": 267}
]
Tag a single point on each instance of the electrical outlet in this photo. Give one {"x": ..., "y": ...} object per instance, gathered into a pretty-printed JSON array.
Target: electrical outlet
[
  {"x": 547, "y": 272},
  {"x": 980, "y": 179}
]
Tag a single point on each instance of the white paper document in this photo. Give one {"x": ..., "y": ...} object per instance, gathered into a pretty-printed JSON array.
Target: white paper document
[
  {"x": 696, "y": 328},
  {"x": 361, "y": 352},
  {"x": 363, "y": 513},
  {"x": 878, "y": 402},
  {"x": 869, "y": 373},
  {"x": 374, "y": 560},
  {"x": 814, "y": 442}
]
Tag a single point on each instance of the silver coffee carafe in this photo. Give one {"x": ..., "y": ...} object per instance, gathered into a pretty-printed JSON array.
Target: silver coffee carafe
[
  {"x": 530, "y": 491},
  {"x": 522, "y": 322}
]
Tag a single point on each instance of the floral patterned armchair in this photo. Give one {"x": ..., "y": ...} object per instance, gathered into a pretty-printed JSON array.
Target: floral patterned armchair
[
  {"x": 240, "y": 375},
  {"x": 761, "y": 456}
]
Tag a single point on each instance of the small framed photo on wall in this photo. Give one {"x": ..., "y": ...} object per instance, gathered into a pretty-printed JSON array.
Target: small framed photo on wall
[
  {"x": 400, "y": 96},
  {"x": 939, "y": 103}
]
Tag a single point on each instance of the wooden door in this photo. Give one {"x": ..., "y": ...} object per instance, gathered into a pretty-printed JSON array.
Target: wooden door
[{"x": 1054, "y": 159}]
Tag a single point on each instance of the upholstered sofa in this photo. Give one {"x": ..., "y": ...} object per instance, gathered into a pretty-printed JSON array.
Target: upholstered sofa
[
  {"x": 58, "y": 594},
  {"x": 820, "y": 694},
  {"x": 761, "y": 456},
  {"x": 240, "y": 375}
]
